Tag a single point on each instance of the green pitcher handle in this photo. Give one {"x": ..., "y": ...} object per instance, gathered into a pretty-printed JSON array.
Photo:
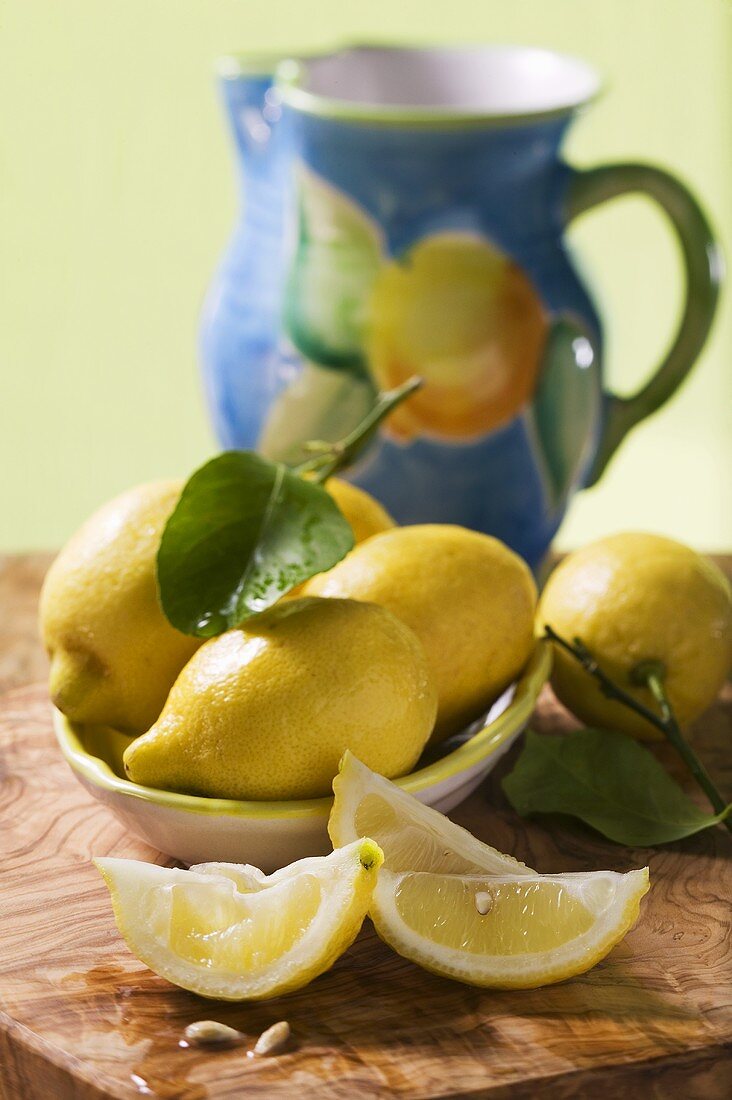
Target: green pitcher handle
[{"x": 704, "y": 267}]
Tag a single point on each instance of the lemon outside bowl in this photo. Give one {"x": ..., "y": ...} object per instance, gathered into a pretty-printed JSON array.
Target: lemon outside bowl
[{"x": 194, "y": 829}]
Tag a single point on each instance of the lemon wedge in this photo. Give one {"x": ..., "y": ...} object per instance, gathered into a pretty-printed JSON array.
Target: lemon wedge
[
  {"x": 229, "y": 932},
  {"x": 413, "y": 837},
  {"x": 512, "y": 932},
  {"x": 461, "y": 909}
]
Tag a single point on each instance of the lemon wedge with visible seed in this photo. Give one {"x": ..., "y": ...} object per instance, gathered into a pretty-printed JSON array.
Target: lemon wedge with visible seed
[
  {"x": 229, "y": 932},
  {"x": 512, "y": 932},
  {"x": 461, "y": 909}
]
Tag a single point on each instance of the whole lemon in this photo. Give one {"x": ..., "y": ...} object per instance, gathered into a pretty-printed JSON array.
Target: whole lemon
[
  {"x": 364, "y": 513},
  {"x": 468, "y": 598},
  {"x": 267, "y": 710},
  {"x": 114, "y": 655},
  {"x": 635, "y": 597}
]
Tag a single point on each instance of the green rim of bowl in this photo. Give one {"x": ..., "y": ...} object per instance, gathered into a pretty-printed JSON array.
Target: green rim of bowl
[{"x": 480, "y": 746}]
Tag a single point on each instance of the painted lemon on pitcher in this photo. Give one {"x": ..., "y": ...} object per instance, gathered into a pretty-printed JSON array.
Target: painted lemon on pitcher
[
  {"x": 453, "y": 309},
  {"x": 462, "y": 315}
]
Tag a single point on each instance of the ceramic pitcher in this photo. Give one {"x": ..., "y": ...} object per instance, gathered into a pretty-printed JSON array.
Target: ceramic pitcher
[{"x": 403, "y": 213}]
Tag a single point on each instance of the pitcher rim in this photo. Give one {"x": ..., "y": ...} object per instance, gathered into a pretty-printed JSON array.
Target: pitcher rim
[{"x": 288, "y": 74}]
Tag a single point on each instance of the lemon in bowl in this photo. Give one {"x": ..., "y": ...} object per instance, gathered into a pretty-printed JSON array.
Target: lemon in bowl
[
  {"x": 238, "y": 763},
  {"x": 266, "y": 711},
  {"x": 113, "y": 655},
  {"x": 469, "y": 599},
  {"x": 364, "y": 513},
  {"x": 270, "y": 834}
]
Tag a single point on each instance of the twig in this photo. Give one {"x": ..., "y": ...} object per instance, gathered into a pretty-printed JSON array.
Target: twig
[
  {"x": 648, "y": 674},
  {"x": 651, "y": 674},
  {"x": 334, "y": 456}
]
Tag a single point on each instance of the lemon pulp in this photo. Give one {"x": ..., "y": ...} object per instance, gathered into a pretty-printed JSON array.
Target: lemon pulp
[
  {"x": 221, "y": 931},
  {"x": 413, "y": 837},
  {"x": 407, "y": 844},
  {"x": 521, "y": 917}
]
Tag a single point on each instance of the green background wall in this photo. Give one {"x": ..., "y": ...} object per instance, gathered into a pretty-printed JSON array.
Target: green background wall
[{"x": 116, "y": 196}]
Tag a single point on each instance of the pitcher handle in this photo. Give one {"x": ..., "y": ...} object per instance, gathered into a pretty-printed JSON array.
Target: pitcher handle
[{"x": 704, "y": 267}]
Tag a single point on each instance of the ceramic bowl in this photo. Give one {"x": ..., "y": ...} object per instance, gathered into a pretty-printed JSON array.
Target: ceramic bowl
[{"x": 269, "y": 835}]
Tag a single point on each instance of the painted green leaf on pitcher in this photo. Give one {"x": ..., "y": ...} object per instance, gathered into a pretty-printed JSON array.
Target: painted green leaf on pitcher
[
  {"x": 320, "y": 403},
  {"x": 338, "y": 254},
  {"x": 565, "y": 410}
]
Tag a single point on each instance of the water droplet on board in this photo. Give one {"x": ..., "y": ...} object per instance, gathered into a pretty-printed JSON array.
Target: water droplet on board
[{"x": 141, "y": 1084}]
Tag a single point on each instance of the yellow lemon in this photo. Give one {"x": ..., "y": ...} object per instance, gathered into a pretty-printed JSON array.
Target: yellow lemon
[
  {"x": 114, "y": 655},
  {"x": 634, "y": 597},
  {"x": 468, "y": 598},
  {"x": 267, "y": 710},
  {"x": 463, "y": 316},
  {"x": 366, "y": 516}
]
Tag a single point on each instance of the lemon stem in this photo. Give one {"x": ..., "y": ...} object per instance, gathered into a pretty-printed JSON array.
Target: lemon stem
[
  {"x": 652, "y": 675},
  {"x": 609, "y": 688},
  {"x": 331, "y": 457},
  {"x": 648, "y": 674}
]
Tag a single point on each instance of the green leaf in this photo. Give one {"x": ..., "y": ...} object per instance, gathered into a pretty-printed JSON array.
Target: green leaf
[
  {"x": 607, "y": 780},
  {"x": 244, "y": 532}
]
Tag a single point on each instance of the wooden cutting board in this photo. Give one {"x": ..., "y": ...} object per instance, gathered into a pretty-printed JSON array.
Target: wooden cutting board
[{"x": 82, "y": 1018}]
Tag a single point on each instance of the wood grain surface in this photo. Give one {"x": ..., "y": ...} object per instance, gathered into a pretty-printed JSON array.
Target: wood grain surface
[
  {"x": 22, "y": 660},
  {"x": 80, "y": 1017}
]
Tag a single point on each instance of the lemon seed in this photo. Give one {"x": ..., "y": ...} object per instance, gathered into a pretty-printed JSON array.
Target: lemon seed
[
  {"x": 210, "y": 1032},
  {"x": 273, "y": 1039},
  {"x": 483, "y": 902}
]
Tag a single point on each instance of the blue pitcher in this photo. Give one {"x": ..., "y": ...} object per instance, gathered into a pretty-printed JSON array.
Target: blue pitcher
[{"x": 403, "y": 214}]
